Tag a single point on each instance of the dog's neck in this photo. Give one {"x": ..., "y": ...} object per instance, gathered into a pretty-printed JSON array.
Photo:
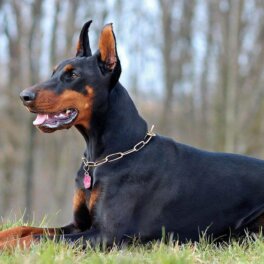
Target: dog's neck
[{"x": 118, "y": 130}]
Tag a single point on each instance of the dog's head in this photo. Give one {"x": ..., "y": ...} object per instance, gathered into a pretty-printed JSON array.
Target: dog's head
[{"x": 78, "y": 87}]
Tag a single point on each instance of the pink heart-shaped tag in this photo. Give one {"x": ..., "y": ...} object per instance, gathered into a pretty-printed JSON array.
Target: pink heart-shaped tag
[{"x": 87, "y": 181}]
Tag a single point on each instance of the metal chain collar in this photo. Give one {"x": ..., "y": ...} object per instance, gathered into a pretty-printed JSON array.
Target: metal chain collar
[{"x": 119, "y": 155}]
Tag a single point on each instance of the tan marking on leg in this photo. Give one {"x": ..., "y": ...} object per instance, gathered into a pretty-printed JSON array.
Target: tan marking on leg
[
  {"x": 22, "y": 231},
  {"x": 21, "y": 243}
]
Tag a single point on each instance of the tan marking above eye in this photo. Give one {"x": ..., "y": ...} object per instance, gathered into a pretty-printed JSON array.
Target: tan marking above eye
[{"x": 68, "y": 67}]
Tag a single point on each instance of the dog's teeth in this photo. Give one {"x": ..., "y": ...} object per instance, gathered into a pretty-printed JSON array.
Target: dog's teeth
[{"x": 68, "y": 112}]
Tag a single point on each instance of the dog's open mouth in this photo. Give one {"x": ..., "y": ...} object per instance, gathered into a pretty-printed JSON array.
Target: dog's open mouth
[{"x": 56, "y": 120}]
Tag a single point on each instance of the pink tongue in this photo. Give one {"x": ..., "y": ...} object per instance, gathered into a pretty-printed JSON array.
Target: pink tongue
[{"x": 40, "y": 119}]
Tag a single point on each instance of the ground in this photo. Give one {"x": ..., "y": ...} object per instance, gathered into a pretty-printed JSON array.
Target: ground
[{"x": 251, "y": 250}]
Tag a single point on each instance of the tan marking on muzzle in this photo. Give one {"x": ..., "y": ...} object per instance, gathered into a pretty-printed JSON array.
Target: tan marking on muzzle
[{"x": 49, "y": 102}]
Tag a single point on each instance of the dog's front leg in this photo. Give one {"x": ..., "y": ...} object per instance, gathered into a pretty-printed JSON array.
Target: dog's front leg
[
  {"x": 82, "y": 221},
  {"x": 24, "y": 231},
  {"x": 22, "y": 243},
  {"x": 24, "y": 236},
  {"x": 93, "y": 237}
]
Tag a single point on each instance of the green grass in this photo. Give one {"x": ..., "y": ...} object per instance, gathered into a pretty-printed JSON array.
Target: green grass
[{"x": 249, "y": 251}]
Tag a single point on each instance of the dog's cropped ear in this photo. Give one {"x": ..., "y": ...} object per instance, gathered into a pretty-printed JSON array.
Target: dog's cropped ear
[
  {"x": 83, "y": 45},
  {"x": 107, "y": 48}
]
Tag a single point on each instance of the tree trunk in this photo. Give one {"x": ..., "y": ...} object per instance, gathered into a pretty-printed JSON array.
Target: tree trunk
[
  {"x": 34, "y": 78},
  {"x": 232, "y": 74}
]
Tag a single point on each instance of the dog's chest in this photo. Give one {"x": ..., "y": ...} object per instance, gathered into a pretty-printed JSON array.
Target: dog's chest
[{"x": 114, "y": 206}]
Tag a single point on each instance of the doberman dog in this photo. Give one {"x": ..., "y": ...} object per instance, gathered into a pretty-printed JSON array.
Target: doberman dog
[{"x": 133, "y": 183}]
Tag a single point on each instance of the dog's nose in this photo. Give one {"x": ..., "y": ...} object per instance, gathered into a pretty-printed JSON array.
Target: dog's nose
[{"x": 27, "y": 96}]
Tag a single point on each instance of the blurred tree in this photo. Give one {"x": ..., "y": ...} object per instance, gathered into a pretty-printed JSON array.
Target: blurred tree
[
  {"x": 176, "y": 50},
  {"x": 34, "y": 64},
  {"x": 12, "y": 16}
]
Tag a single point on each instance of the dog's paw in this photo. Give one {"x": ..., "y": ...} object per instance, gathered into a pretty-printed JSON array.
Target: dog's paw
[
  {"x": 21, "y": 243},
  {"x": 19, "y": 232},
  {"x": 12, "y": 233}
]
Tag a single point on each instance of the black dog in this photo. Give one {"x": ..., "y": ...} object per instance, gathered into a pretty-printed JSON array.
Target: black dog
[{"x": 133, "y": 183}]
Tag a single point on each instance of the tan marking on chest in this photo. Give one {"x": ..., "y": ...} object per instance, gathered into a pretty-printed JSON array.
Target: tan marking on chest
[
  {"x": 94, "y": 198},
  {"x": 79, "y": 199}
]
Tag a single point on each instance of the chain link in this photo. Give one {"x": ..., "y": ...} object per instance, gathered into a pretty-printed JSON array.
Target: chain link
[{"x": 119, "y": 155}]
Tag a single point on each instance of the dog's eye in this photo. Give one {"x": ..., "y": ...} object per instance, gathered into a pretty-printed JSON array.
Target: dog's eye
[
  {"x": 74, "y": 75},
  {"x": 71, "y": 75}
]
